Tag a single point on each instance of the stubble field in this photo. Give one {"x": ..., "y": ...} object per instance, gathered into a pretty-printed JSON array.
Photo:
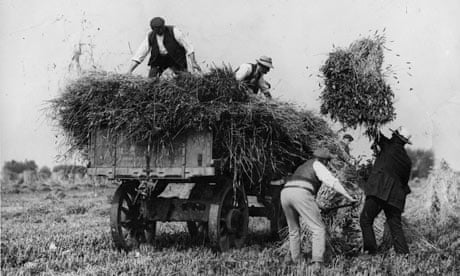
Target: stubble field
[{"x": 67, "y": 233}]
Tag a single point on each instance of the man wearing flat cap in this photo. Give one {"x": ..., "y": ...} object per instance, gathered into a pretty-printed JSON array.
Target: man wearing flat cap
[
  {"x": 345, "y": 143},
  {"x": 298, "y": 199},
  {"x": 253, "y": 75},
  {"x": 168, "y": 48},
  {"x": 386, "y": 189}
]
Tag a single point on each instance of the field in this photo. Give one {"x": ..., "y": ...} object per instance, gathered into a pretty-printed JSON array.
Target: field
[{"x": 66, "y": 232}]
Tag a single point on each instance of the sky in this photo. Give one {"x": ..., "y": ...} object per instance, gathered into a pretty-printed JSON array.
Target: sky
[{"x": 39, "y": 38}]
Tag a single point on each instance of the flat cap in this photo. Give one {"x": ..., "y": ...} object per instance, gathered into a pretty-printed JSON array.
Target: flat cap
[
  {"x": 157, "y": 22},
  {"x": 348, "y": 136}
]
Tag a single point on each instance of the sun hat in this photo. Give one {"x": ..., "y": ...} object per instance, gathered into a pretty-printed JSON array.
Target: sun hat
[
  {"x": 322, "y": 153},
  {"x": 348, "y": 136},
  {"x": 403, "y": 134},
  {"x": 157, "y": 22},
  {"x": 265, "y": 61}
]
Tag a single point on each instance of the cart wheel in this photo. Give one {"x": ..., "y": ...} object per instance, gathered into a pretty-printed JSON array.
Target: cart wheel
[
  {"x": 228, "y": 224},
  {"x": 126, "y": 223},
  {"x": 197, "y": 229},
  {"x": 277, "y": 219}
]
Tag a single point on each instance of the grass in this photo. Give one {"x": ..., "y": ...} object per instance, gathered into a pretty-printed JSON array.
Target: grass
[{"x": 70, "y": 235}]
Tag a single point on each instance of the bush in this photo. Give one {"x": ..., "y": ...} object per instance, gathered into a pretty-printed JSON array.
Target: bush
[
  {"x": 70, "y": 169},
  {"x": 422, "y": 162},
  {"x": 11, "y": 169},
  {"x": 44, "y": 172}
]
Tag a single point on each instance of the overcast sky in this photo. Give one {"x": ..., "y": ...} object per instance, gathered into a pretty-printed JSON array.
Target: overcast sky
[{"x": 38, "y": 40}]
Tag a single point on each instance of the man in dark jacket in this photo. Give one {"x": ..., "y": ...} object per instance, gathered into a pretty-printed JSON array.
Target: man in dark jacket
[
  {"x": 168, "y": 49},
  {"x": 386, "y": 190}
]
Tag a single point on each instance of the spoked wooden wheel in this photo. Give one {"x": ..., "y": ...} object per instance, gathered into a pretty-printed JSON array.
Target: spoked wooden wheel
[
  {"x": 228, "y": 220},
  {"x": 197, "y": 229},
  {"x": 126, "y": 223}
]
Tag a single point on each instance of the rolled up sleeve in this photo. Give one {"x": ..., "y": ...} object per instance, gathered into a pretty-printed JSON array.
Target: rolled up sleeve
[
  {"x": 183, "y": 40},
  {"x": 327, "y": 178},
  {"x": 243, "y": 71},
  {"x": 142, "y": 51},
  {"x": 264, "y": 85}
]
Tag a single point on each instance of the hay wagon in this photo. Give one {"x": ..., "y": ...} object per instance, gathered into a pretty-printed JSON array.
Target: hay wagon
[{"x": 205, "y": 198}]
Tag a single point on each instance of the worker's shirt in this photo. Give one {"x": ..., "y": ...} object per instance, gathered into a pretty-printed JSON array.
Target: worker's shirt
[
  {"x": 303, "y": 177},
  {"x": 245, "y": 70},
  {"x": 144, "y": 48},
  {"x": 327, "y": 178}
]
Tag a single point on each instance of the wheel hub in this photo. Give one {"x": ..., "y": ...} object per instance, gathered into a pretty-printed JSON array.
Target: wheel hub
[{"x": 234, "y": 220}]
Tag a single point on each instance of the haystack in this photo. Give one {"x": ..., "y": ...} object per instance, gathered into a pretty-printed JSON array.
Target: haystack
[
  {"x": 355, "y": 92},
  {"x": 436, "y": 197}
]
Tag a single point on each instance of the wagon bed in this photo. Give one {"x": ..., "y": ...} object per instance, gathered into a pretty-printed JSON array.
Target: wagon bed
[{"x": 216, "y": 207}]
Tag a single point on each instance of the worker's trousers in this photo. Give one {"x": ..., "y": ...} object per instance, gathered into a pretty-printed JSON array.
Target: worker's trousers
[
  {"x": 298, "y": 202},
  {"x": 161, "y": 64},
  {"x": 372, "y": 207}
]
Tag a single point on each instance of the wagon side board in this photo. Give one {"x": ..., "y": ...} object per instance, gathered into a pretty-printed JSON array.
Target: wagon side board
[{"x": 119, "y": 156}]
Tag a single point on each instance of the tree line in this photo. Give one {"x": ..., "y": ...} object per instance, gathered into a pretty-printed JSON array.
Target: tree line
[
  {"x": 12, "y": 169},
  {"x": 422, "y": 160}
]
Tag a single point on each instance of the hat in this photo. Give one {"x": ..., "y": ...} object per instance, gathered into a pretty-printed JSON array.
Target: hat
[
  {"x": 348, "y": 136},
  {"x": 403, "y": 134},
  {"x": 322, "y": 153},
  {"x": 265, "y": 61},
  {"x": 157, "y": 22}
]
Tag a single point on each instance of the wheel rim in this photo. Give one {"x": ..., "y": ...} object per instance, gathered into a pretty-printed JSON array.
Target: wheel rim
[
  {"x": 127, "y": 226},
  {"x": 228, "y": 224}
]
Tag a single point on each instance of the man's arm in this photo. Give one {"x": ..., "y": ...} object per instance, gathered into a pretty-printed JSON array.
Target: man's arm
[
  {"x": 381, "y": 139},
  {"x": 140, "y": 55},
  {"x": 181, "y": 38},
  {"x": 265, "y": 87},
  {"x": 243, "y": 71},
  {"x": 328, "y": 179},
  {"x": 133, "y": 66}
]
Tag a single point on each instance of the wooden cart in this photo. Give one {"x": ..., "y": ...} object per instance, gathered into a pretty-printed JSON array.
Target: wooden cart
[{"x": 214, "y": 207}]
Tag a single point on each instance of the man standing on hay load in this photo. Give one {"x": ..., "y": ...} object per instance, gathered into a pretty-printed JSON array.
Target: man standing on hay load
[
  {"x": 253, "y": 75},
  {"x": 386, "y": 190},
  {"x": 168, "y": 48},
  {"x": 298, "y": 199}
]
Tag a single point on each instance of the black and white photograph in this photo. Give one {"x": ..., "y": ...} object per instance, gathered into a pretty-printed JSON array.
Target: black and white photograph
[{"x": 275, "y": 137}]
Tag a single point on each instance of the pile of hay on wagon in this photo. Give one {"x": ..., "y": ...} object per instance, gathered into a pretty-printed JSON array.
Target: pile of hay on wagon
[{"x": 260, "y": 139}]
